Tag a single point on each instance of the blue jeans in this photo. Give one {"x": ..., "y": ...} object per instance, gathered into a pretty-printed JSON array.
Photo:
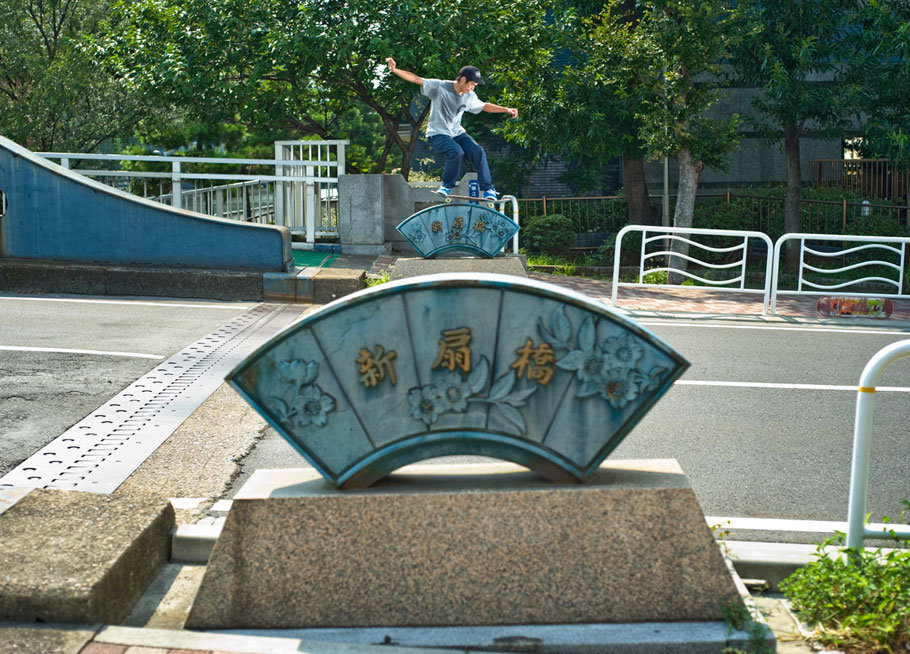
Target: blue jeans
[{"x": 456, "y": 149}]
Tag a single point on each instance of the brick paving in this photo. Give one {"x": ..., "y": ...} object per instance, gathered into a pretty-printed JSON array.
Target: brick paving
[{"x": 684, "y": 299}]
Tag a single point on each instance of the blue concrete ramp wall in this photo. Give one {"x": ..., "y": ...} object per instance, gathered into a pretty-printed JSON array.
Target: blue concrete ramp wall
[{"x": 54, "y": 213}]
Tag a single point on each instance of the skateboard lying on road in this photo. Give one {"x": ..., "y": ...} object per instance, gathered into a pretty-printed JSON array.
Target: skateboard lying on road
[
  {"x": 474, "y": 200},
  {"x": 855, "y": 307}
]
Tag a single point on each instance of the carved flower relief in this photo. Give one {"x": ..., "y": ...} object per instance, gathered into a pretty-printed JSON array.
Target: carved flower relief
[
  {"x": 303, "y": 403},
  {"x": 452, "y": 393},
  {"x": 500, "y": 228},
  {"x": 417, "y": 233},
  {"x": 609, "y": 369},
  {"x": 312, "y": 405}
]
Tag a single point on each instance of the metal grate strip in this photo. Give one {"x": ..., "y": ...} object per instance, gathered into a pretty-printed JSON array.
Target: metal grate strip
[{"x": 99, "y": 452}]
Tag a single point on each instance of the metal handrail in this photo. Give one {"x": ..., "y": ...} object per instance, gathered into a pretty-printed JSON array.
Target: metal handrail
[
  {"x": 669, "y": 234},
  {"x": 857, "y": 531},
  {"x": 878, "y": 242}
]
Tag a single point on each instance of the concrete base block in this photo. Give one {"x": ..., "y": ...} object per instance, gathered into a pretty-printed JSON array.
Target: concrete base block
[
  {"x": 279, "y": 287},
  {"x": 710, "y": 637},
  {"x": 67, "y": 556},
  {"x": 39, "y": 276},
  {"x": 465, "y": 545},
  {"x": 415, "y": 266}
]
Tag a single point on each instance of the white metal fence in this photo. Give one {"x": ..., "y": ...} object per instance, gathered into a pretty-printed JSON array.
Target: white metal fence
[
  {"x": 732, "y": 274},
  {"x": 298, "y": 189},
  {"x": 883, "y": 255},
  {"x": 879, "y": 260}
]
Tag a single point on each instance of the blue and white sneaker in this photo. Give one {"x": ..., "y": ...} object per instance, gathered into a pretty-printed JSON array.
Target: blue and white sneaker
[
  {"x": 443, "y": 191},
  {"x": 491, "y": 195}
]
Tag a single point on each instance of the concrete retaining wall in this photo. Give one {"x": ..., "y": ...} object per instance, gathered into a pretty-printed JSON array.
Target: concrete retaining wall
[
  {"x": 55, "y": 214},
  {"x": 371, "y": 206}
]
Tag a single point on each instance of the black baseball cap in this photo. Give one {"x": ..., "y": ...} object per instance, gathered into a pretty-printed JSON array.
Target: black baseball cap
[{"x": 471, "y": 74}]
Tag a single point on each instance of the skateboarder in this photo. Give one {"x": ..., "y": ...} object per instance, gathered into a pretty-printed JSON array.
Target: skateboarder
[{"x": 449, "y": 100}]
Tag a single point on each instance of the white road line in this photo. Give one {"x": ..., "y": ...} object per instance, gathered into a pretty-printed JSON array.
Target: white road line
[
  {"x": 780, "y": 524},
  {"x": 800, "y": 387},
  {"x": 814, "y": 330},
  {"x": 132, "y": 303},
  {"x": 61, "y": 350}
]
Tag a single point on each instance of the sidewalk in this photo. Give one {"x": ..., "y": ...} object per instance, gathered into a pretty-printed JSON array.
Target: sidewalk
[{"x": 656, "y": 302}]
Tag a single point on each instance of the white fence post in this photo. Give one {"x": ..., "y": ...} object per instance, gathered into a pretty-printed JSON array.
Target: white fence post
[
  {"x": 862, "y": 442},
  {"x": 279, "y": 187},
  {"x": 176, "y": 186}
]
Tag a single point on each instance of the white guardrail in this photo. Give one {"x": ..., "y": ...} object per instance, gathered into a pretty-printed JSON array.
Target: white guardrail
[
  {"x": 302, "y": 195},
  {"x": 876, "y": 246},
  {"x": 672, "y": 235},
  {"x": 888, "y": 253},
  {"x": 857, "y": 531}
]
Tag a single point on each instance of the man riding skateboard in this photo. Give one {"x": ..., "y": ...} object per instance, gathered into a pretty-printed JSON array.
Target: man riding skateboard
[{"x": 448, "y": 102}]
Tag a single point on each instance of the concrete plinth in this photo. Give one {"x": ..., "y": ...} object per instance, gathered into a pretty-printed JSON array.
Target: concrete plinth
[
  {"x": 67, "y": 556},
  {"x": 416, "y": 266},
  {"x": 457, "y": 546}
]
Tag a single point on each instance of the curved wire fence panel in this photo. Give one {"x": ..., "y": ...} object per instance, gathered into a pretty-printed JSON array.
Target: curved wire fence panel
[
  {"x": 721, "y": 260},
  {"x": 828, "y": 264}
]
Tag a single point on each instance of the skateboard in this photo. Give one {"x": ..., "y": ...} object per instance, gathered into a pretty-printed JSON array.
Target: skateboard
[
  {"x": 855, "y": 307},
  {"x": 472, "y": 199}
]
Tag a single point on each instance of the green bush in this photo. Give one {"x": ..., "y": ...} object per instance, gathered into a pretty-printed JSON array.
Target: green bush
[
  {"x": 858, "y": 601},
  {"x": 720, "y": 215},
  {"x": 551, "y": 234}
]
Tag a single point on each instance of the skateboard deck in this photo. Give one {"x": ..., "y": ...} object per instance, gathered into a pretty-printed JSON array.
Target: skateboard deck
[
  {"x": 855, "y": 307},
  {"x": 476, "y": 200}
]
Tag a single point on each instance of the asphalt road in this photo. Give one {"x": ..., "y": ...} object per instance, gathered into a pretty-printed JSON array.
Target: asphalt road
[
  {"x": 61, "y": 358},
  {"x": 751, "y": 445}
]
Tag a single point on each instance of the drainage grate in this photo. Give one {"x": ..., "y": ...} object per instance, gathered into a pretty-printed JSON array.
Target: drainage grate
[{"x": 98, "y": 453}]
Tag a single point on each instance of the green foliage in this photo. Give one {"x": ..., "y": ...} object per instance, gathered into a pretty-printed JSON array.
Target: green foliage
[
  {"x": 53, "y": 94},
  {"x": 376, "y": 281},
  {"x": 720, "y": 215},
  {"x": 304, "y": 64},
  {"x": 879, "y": 75},
  {"x": 858, "y": 601},
  {"x": 550, "y": 234}
]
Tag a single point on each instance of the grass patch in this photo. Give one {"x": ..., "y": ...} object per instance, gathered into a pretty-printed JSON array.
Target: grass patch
[{"x": 859, "y": 601}]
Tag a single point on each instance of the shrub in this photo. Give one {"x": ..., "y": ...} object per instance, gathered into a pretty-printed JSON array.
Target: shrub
[
  {"x": 858, "y": 601},
  {"x": 552, "y": 233}
]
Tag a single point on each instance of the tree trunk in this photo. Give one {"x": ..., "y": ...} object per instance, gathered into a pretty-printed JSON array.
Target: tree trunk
[
  {"x": 633, "y": 181},
  {"x": 689, "y": 171},
  {"x": 792, "y": 211}
]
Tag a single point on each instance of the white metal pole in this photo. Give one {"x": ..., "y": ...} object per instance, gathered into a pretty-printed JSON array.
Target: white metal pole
[
  {"x": 862, "y": 440},
  {"x": 176, "y": 186}
]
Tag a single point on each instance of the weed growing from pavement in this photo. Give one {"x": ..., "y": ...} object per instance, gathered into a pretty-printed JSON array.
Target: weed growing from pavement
[
  {"x": 857, "y": 601},
  {"x": 737, "y": 616},
  {"x": 381, "y": 279}
]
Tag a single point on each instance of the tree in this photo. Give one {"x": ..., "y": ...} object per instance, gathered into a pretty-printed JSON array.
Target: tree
[
  {"x": 53, "y": 94},
  {"x": 669, "y": 61},
  {"x": 570, "y": 109},
  {"x": 286, "y": 62},
  {"x": 879, "y": 77},
  {"x": 796, "y": 58}
]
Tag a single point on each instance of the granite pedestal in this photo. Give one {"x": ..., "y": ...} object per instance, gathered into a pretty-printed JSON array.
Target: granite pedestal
[
  {"x": 415, "y": 267},
  {"x": 464, "y": 546}
]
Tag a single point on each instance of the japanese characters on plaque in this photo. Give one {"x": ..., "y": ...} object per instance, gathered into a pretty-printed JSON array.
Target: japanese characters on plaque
[
  {"x": 458, "y": 364},
  {"x": 466, "y": 227}
]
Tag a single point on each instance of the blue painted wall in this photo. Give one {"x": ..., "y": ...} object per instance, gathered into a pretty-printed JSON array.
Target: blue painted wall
[{"x": 53, "y": 213}]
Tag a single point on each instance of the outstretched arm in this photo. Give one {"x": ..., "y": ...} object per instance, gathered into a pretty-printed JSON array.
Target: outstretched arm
[
  {"x": 489, "y": 107},
  {"x": 403, "y": 74}
]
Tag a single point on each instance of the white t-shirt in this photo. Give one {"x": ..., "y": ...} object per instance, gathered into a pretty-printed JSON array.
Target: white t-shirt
[{"x": 447, "y": 107}]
